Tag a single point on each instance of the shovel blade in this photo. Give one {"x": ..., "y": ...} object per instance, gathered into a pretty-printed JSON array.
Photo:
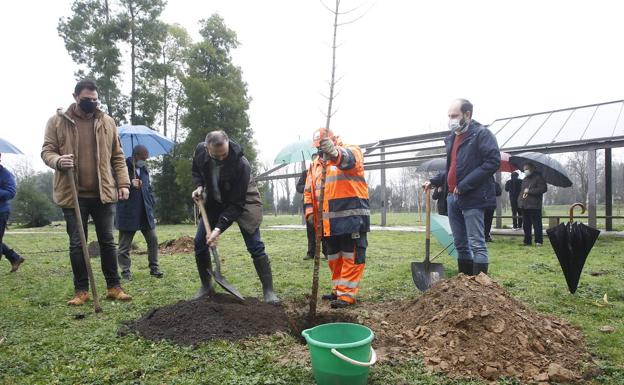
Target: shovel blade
[
  {"x": 226, "y": 285},
  {"x": 426, "y": 274}
]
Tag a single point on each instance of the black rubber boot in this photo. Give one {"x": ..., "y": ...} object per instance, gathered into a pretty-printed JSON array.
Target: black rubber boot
[
  {"x": 480, "y": 268},
  {"x": 465, "y": 266},
  {"x": 203, "y": 264},
  {"x": 263, "y": 268}
]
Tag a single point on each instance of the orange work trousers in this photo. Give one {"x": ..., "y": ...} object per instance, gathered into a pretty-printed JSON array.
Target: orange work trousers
[{"x": 346, "y": 255}]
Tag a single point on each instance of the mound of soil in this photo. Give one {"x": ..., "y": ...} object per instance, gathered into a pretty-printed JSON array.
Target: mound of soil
[
  {"x": 471, "y": 327},
  {"x": 218, "y": 317},
  {"x": 184, "y": 244}
]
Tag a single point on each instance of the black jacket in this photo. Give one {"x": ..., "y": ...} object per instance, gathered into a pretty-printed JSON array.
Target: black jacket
[
  {"x": 537, "y": 187},
  {"x": 240, "y": 198},
  {"x": 513, "y": 187},
  {"x": 478, "y": 158}
]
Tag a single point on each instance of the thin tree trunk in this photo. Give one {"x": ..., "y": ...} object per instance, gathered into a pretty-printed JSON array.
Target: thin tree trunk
[
  {"x": 332, "y": 82},
  {"x": 165, "y": 92},
  {"x": 132, "y": 67}
]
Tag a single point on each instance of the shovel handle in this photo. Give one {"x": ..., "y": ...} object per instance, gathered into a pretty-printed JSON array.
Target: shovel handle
[
  {"x": 427, "y": 224},
  {"x": 199, "y": 202}
]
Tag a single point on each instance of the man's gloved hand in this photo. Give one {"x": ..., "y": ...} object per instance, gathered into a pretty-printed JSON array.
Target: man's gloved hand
[
  {"x": 327, "y": 146},
  {"x": 213, "y": 238},
  {"x": 197, "y": 193}
]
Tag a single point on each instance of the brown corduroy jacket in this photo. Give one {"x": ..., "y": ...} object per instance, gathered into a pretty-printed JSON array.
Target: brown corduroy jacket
[{"x": 61, "y": 139}]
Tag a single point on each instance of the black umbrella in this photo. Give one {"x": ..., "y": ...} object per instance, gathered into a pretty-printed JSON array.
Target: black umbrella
[
  {"x": 552, "y": 171},
  {"x": 437, "y": 164},
  {"x": 572, "y": 243}
]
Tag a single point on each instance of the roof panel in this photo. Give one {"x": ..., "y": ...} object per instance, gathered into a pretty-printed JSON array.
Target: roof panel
[
  {"x": 550, "y": 128},
  {"x": 528, "y": 130},
  {"x": 576, "y": 126},
  {"x": 497, "y": 125},
  {"x": 604, "y": 121},
  {"x": 510, "y": 129}
]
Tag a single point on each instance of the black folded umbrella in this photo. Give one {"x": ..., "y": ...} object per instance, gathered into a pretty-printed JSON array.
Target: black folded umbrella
[{"x": 572, "y": 243}]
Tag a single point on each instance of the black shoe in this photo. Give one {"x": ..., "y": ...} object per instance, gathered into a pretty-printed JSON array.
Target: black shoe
[
  {"x": 127, "y": 275},
  {"x": 465, "y": 266},
  {"x": 488, "y": 239},
  {"x": 308, "y": 256},
  {"x": 155, "y": 272},
  {"x": 203, "y": 265},
  {"x": 15, "y": 265},
  {"x": 339, "y": 304},
  {"x": 480, "y": 268},
  {"x": 329, "y": 297}
]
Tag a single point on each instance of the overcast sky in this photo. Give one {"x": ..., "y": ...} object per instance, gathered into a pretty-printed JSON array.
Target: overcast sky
[{"x": 403, "y": 63}]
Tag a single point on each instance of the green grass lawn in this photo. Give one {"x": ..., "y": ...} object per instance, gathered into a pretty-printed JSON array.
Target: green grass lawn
[{"x": 43, "y": 342}]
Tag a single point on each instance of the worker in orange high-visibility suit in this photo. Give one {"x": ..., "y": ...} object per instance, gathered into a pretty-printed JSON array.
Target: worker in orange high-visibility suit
[{"x": 346, "y": 213}]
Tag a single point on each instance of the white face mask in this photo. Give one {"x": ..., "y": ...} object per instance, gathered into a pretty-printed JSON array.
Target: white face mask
[
  {"x": 527, "y": 172},
  {"x": 457, "y": 125},
  {"x": 140, "y": 163}
]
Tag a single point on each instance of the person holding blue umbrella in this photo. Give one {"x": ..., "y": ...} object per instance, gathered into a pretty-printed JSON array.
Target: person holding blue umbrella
[
  {"x": 7, "y": 192},
  {"x": 137, "y": 214}
]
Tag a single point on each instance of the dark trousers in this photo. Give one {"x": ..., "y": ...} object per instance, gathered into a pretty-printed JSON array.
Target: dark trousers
[
  {"x": 516, "y": 212},
  {"x": 4, "y": 249},
  {"x": 125, "y": 244},
  {"x": 488, "y": 216},
  {"x": 102, "y": 215},
  {"x": 254, "y": 243},
  {"x": 532, "y": 218},
  {"x": 311, "y": 238}
]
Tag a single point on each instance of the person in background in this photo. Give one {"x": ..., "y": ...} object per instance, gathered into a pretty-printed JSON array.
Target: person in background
[
  {"x": 301, "y": 183},
  {"x": 7, "y": 192},
  {"x": 82, "y": 143},
  {"x": 488, "y": 215},
  {"x": 530, "y": 202},
  {"x": 137, "y": 214},
  {"x": 513, "y": 186},
  {"x": 439, "y": 195}
]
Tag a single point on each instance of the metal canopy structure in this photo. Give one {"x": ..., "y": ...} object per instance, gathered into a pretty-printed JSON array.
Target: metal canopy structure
[{"x": 583, "y": 128}]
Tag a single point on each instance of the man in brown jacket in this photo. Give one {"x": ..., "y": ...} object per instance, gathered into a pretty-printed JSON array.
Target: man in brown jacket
[{"x": 82, "y": 143}]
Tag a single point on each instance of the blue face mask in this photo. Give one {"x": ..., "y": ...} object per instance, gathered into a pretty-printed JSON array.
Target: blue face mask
[{"x": 140, "y": 163}]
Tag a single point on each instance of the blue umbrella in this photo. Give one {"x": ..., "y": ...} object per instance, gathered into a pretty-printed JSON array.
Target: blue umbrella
[
  {"x": 156, "y": 143},
  {"x": 8, "y": 148}
]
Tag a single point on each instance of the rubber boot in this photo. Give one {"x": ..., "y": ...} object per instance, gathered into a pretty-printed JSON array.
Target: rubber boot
[
  {"x": 203, "y": 264},
  {"x": 465, "y": 266},
  {"x": 480, "y": 268},
  {"x": 263, "y": 268}
]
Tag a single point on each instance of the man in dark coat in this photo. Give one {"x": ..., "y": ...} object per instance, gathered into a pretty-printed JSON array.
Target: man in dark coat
[
  {"x": 7, "y": 192},
  {"x": 472, "y": 158},
  {"x": 513, "y": 186},
  {"x": 137, "y": 214},
  {"x": 530, "y": 202},
  {"x": 222, "y": 175},
  {"x": 488, "y": 215}
]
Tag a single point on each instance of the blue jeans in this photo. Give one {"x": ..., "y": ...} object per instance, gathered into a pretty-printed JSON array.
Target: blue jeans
[
  {"x": 4, "y": 249},
  {"x": 254, "y": 243},
  {"x": 468, "y": 233}
]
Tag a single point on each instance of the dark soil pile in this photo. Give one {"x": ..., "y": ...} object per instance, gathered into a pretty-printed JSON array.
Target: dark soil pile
[
  {"x": 471, "y": 327},
  {"x": 220, "y": 317},
  {"x": 184, "y": 244}
]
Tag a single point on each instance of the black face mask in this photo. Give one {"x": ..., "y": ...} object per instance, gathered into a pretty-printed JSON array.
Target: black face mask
[{"x": 87, "y": 105}]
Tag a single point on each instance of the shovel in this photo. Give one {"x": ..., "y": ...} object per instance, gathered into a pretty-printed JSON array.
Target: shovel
[
  {"x": 427, "y": 273},
  {"x": 216, "y": 274}
]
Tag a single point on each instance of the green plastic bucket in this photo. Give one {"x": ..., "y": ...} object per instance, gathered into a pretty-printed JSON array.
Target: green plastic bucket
[{"x": 341, "y": 353}]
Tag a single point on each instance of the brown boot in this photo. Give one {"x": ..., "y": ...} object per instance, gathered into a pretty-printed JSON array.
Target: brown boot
[
  {"x": 79, "y": 298},
  {"x": 15, "y": 265},
  {"x": 117, "y": 293}
]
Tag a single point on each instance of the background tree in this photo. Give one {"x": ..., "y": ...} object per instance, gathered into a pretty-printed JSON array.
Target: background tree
[{"x": 91, "y": 35}]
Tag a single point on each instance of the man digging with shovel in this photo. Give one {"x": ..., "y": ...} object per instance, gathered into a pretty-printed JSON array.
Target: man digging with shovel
[{"x": 222, "y": 176}]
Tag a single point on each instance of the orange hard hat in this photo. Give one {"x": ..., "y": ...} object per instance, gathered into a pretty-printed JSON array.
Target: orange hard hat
[{"x": 321, "y": 133}]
